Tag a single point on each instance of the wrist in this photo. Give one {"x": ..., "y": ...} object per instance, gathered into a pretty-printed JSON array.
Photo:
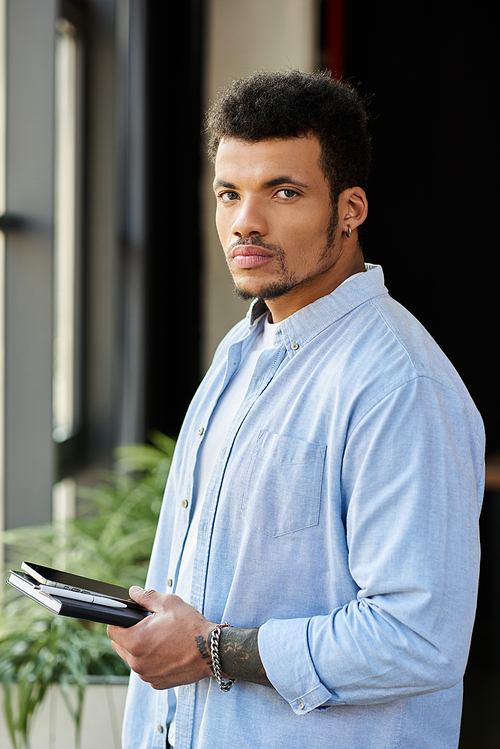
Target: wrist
[
  {"x": 224, "y": 683},
  {"x": 239, "y": 655},
  {"x": 203, "y": 645}
]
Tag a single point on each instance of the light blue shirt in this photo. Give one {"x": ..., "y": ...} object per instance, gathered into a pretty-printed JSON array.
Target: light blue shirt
[{"x": 342, "y": 519}]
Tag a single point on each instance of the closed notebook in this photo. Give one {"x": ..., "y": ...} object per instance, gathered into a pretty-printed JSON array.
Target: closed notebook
[{"x": 126, "y": 613}]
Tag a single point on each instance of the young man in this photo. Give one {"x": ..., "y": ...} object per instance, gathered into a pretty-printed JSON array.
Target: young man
[{"x": 325, "y": 492}]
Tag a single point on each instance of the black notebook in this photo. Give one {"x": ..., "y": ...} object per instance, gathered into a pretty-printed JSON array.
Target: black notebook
[{"x": 76, "y": 596}]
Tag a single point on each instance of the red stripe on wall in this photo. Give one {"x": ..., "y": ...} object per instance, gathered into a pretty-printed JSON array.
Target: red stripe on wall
[{"x": 334, "y": 36}]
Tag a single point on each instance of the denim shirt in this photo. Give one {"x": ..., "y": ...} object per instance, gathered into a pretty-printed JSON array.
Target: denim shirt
[{"x": 342, "y": 519}]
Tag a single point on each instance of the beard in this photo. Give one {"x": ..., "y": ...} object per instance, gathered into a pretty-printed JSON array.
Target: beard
[
  {"x": 271, "y": 291},
  {"x": 274, "y": 289},
  {"x": 286, "y": 279}
]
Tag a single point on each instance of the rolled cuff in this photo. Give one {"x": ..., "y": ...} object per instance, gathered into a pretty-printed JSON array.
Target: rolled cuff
[{"x": 284, "y": 651}]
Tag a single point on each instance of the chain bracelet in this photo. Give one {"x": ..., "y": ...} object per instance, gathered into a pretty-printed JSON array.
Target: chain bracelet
[{"x": 216, "y": 666}]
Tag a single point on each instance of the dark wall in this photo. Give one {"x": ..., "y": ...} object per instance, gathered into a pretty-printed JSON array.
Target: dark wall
[
  {"x": 174, "y": 48},
  {"x": 431, "y": 72}
]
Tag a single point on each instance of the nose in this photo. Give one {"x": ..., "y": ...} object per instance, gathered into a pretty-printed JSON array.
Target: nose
[{"x": 250, "y": 219}]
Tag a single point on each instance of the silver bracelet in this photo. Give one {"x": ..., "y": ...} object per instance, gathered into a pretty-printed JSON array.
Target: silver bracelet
[{"x": 214, "y": 651}]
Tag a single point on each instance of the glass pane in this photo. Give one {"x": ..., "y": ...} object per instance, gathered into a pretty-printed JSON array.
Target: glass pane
[{"x": 66, "y": 233}]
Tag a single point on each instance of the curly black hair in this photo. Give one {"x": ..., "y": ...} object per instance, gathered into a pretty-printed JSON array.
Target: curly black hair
[{"x": 295, "y": 104}]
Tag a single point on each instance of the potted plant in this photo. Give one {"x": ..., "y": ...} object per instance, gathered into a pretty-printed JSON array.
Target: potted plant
[{"x": 110, "y": 540}]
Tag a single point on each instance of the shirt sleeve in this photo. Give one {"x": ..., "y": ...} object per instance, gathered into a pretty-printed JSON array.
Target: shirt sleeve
[{"x": 412, "y": 481}]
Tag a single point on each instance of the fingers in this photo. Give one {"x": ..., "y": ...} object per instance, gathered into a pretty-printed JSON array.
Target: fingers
[
  {"x": 152, "y": 601},
  {"x": 120, "y": 651},
  {"x": 163, "y": 649},
  {"x": 148, "y": 599}
]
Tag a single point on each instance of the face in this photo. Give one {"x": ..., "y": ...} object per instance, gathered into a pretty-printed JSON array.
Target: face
[{"x": 276, "y": 222}]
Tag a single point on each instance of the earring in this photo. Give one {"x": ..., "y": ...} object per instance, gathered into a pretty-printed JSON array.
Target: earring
[{"x": 349, "y": 231}]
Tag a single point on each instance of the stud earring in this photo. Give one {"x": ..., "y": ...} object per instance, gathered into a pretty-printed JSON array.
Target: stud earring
[{"x": 349, "y": 231}]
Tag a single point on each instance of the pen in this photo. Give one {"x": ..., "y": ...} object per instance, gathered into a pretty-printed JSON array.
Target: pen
[{"x": 86, "y": 597}]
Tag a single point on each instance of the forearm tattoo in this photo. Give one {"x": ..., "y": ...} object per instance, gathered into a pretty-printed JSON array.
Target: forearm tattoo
[{"x": 239, "y": 655}]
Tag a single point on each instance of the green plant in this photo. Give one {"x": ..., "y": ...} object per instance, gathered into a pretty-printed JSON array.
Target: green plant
[{"x": 111, "y": 540}]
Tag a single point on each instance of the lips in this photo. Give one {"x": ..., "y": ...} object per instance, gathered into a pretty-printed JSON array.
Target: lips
[{"x": 249, "y": 256}]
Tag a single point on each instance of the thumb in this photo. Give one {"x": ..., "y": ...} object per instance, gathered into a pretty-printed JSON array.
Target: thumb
[{"x": 148, "y": 599}]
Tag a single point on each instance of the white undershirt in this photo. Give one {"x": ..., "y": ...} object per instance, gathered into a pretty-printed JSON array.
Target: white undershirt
[{"x": 222, "y": 417}]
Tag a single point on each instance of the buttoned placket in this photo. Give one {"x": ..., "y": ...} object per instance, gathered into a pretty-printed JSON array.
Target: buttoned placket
[
  {"x": 266, "y": 368},
  {"x": 183, "y": 514}
]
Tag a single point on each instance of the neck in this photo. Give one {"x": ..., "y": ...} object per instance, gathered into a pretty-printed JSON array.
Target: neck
[{"x": 310, "y": 290}]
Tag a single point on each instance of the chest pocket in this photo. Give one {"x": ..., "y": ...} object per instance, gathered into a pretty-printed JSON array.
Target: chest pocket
[{"x": 282, "y": 486}]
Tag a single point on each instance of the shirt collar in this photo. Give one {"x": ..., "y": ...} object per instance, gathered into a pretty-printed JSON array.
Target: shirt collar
[{"x": 309, "y": 321}]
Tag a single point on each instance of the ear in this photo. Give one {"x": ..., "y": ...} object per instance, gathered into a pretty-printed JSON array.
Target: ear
[{"x": 353, "y": 208}]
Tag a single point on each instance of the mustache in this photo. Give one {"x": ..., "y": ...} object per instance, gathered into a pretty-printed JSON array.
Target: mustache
[{"x": 254, "y": 242}]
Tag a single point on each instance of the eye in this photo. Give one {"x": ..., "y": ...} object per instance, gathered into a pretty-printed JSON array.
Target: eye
[
  {"x": 287, "y": 193},
  {"x": 227, "y": 196}
]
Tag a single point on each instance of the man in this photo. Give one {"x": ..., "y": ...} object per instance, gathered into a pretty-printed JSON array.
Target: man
[{"x": 325, "y": 491}]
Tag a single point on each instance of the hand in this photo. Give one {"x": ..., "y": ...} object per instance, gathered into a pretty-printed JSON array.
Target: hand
[{"x": 168, "y": 648}]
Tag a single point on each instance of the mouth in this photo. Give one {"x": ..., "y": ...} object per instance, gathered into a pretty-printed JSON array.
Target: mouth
[{"x": 249, "y": 256}]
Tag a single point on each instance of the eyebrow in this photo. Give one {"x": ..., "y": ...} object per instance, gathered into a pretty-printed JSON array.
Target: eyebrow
[
  {"x": 223, "y": 183},
  {"x": 284, "y": 179}
]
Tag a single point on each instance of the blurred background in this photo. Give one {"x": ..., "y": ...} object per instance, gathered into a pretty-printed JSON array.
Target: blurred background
[{"x": 114, "y": 292}]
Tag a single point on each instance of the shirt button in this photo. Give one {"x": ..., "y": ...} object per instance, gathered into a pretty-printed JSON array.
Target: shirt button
[
  {"x": 301, "y": 705},
  {"x": 201, "y": 430},
  {"x": 295, "y": 346},
  {"x": 184, "y": 503},
  {"x": 159, "y": 729},
  {"x": 169, "y": 583}
]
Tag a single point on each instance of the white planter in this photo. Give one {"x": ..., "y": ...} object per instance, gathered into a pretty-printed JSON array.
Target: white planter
[{"x": 53, "y": 727}]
